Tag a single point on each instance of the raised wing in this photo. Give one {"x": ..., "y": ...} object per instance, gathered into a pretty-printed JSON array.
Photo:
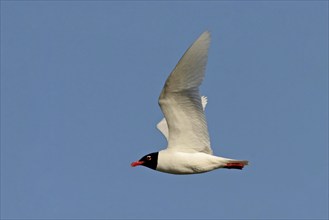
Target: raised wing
[
  {"x": 162, "y": 126},
  {"x": 180, "y": 100}
]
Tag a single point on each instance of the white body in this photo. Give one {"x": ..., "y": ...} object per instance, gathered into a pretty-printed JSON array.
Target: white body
[{"x": 176, "y": 162}]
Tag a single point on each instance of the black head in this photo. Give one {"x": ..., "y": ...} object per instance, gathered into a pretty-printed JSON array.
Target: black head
[{"x": 150, "y": 161}]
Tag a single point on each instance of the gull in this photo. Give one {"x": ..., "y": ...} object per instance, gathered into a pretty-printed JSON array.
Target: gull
[{"x": 184, "y": 124}]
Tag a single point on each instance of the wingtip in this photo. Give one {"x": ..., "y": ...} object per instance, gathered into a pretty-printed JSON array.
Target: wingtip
[
  {"x": 203, "y": 40},
  {"x": 205, "y": 35},
  {"x": 205, "y": 98}
]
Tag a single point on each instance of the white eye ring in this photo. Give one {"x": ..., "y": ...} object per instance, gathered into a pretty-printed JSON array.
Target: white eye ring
[{"x": 148, "y": 158}]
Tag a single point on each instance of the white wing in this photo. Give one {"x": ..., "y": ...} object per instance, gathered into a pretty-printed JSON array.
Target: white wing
[
  {"x": 180, "y": 100},
  {"x": 163, "y": 127}
]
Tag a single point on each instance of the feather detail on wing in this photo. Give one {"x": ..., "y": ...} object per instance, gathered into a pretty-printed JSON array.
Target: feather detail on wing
[
  {"x": 181, "y": 104},
  {"x": 162, "y": 126}
]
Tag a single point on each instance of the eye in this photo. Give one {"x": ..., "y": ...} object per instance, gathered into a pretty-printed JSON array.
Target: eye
[{"x": 148, "y": 157}]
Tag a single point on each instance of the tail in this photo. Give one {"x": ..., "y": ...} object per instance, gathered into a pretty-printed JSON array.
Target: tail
[{"x": 236, "y": 164}]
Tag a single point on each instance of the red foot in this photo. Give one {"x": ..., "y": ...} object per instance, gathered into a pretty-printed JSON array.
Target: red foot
[{"x": 234, "y": 166}]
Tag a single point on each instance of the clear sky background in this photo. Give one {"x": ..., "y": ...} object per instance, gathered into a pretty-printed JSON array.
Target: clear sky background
[{"x": 79, "y": 87}]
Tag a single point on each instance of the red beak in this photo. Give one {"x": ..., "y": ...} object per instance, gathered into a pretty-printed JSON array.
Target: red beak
[{"x": 137, "y": 163}]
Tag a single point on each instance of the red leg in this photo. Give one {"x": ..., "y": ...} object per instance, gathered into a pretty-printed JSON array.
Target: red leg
[{"x": 234, "y": 166}]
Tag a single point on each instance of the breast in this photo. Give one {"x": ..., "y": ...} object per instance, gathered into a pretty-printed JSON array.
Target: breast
[{"x": 185, "y": 163}]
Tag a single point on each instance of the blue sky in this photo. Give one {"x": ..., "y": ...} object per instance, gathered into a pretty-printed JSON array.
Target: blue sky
[{"x": 79, "y": 87}]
